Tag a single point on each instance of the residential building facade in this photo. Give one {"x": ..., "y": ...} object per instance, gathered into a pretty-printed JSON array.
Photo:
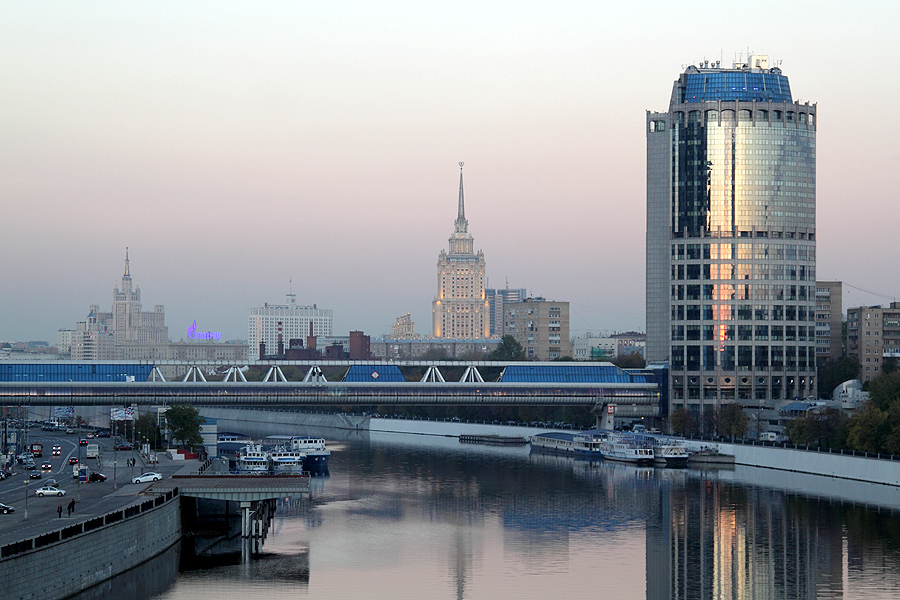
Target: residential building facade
[
  {"x": 829, "y": 321},
  {"x": 460, "y": 309},
  {"x": 873, "y": 335},
  {"x": 540, "y": 326},
  {"x": 731, "y": 238},
  {"x": 497, "y": 300}
]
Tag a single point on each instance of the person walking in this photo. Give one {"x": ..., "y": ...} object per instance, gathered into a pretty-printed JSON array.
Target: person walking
[
  {"x": 71, "y": 507},
  {"x": 59, "y": 511}
]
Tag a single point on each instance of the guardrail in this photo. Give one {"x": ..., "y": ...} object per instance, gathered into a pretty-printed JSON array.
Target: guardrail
[
  {"x": 789, "y": 446},
  {"x": 71, "y": 531}
]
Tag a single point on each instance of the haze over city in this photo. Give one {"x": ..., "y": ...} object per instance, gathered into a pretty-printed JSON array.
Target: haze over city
[{"x": 244, "y": 151}]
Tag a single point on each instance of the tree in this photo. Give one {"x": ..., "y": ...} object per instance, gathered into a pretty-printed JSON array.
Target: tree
[
  {"x": 867, "y": 429},
  {"x": 833, "y": 373},
  {"x": 146, "y": 429},
  {"x": 184, "y": 424},
  {"x": 508, "y": 349},
  {"x": 682, "y": 421},
  {"x": 733, "y": 420},
  {"x": 826, "y": 428}
]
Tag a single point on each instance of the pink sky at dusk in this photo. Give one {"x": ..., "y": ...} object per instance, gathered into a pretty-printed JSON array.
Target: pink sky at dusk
[{"x": 236, "y": 147}]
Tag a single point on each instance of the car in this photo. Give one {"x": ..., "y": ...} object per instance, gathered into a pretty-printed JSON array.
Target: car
[
  {"x": 147, "y": 478},
  {"x": 123, "y": 446},
  {"x": 49, "y": 490},
  {"x": 4, "y": 474},
  {"x": 97, "y": 477},
  {"x": 57, "y": 450},
  {"x": 82, "y": 442},
  {"x": 90, "y": 436},
  {"x": 51, "y": 483},
  {"x": 73, "y": 460},
  {"x": 46, "y": 466},
  {"x": 70, "y": 431},
  {"x": 6, "y": 509},
  {"x": 34, "y": 474}
]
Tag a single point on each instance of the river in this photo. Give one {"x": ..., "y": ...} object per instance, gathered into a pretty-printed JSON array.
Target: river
[{"x": 413, "y": 517}]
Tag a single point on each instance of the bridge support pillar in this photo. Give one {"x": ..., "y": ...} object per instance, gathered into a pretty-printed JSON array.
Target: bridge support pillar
[{"x": 606, "y": 415}]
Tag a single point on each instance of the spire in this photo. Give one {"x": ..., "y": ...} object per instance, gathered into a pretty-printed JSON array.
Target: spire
[
  {"x": 127, "y": 273},
  {"x": 462, "y": 206}
]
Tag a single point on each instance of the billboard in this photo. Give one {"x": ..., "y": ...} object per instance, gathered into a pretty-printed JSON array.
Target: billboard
[{"x": 121, "y": 414}]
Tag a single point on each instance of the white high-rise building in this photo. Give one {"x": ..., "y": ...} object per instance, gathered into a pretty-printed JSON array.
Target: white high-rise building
[
  {"x": 289, "y": 320},
  {"x": 731, "y": 238},
  {"x": 460, "y": 309}
]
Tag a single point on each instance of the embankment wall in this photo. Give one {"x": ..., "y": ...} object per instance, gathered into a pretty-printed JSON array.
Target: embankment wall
[{"x": 65, "y": 561}]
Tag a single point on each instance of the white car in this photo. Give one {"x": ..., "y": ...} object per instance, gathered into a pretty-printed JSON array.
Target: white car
[
  {"x": 49, "y": 490},
  {"x": 146, "y": 478}
]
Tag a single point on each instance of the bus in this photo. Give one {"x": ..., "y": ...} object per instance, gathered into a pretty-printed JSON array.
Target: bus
[{"x": 37, "y": 449}]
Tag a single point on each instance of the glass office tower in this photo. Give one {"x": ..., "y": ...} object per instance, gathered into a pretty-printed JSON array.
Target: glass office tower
[{"x": 731, "y": 238}]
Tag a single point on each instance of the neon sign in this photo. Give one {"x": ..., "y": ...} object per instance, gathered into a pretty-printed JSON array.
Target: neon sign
[{"x": 202, "y": 335}]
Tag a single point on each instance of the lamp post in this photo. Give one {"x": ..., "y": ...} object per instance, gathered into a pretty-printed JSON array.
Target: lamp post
[{"x": 115, "y": 464}]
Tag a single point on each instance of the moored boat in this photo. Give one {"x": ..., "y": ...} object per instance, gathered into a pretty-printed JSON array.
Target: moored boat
[
  {"x": 317, "y": 454},
  {"x": 584, "y": 444},
  {"x": 253, "y": 459},
  {"x": 668, "y": 452},
  {"x": 625, "y": 448},
  {"x": 287, "y": 462}
]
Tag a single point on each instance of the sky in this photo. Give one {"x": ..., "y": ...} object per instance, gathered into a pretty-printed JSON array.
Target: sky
[{"x": 241, "y": 151}]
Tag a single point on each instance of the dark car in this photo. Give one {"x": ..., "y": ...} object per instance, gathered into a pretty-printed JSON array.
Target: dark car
[
  {"x": 6, "y": 509},
  {"x": 57, "y": 450},
  {"x": 34, "y": 474},
  {"x": 73, "y": 460},
  {"x": 4, "y": 474},
  {"x": 46, "y": 466},
  {"x": 82, "y": 442},
  {"x": 97, "y": 477},
  {"x": 123, "y": 446}
]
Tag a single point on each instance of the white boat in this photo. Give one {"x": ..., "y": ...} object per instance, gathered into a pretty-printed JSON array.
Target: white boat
[
  {"x": 287, "y": 462},
  {"x": 253, "y": 459},
  {"x": 668, "y": 452},
  {"x": 314, "y": 448},
  {"x": 582, "y": 445},
  {"x": 626, "y": 449}
]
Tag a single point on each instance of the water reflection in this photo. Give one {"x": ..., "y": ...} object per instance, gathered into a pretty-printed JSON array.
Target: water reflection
[{"x": 407, "y": 520}]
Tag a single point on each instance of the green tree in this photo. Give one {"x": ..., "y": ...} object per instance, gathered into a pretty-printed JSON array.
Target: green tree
[
  {"x": 826, "y": 428},
  {"x": 184, "y": 424},
  {"x": 733, "y": 420},
  {"x": 509, "y": 349},
  {"x": 682, "y": 421},
  {"x": 146, "y": 429},
  {"x": 833, "y": 373},
  {"x": 631, "y": 360},
  {"x": 867, "y": 428}
]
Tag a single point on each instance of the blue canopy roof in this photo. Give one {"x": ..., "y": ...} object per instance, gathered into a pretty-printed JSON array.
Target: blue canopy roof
[
  {"x": 374, "y": 374},
  {"x": 563, "y": 373},
  {"x": 796, "y": 406}
]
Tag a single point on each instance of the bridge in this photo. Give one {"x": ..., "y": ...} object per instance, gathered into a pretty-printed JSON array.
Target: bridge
[{"x": 634, "y": 393}]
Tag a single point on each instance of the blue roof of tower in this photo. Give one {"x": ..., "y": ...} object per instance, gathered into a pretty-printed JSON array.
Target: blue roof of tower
[{"x": 705, "y": 85}]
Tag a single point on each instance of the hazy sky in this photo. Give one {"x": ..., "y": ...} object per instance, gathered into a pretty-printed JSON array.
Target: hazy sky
[{"x": 234, "y": 147}]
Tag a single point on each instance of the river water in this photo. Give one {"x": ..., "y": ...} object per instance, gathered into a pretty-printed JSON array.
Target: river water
[{"x": 413, "y": 517}]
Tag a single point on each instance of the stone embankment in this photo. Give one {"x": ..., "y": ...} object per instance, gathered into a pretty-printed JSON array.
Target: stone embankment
[{"x": 67, "y": 560}]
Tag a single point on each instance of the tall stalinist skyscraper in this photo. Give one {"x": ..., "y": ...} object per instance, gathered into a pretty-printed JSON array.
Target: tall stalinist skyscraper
[{"x": 460, "y": 309}]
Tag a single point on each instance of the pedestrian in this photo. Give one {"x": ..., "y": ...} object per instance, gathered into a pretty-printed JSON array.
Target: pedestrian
[
  {"x": 59, "y": 511},
  {"x": 71, "y": 507}
]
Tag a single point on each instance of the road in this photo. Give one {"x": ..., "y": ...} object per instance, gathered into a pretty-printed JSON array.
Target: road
[{"x": 91, "y": 499}]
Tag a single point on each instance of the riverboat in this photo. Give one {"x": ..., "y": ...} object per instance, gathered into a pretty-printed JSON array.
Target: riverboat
[
  {"x": 287, "y": 462},
  {"x": 317, "y": 454},
  {"x": 668, "y": 452},
  {"x": 253, "y": 459},
  {"x": 625, "y": 448},
  {"x": 584, "y": 444}
]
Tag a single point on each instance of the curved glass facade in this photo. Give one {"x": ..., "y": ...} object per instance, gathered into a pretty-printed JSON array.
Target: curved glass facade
[
  {"x": 729, "y": 86},
  {"x": 731, "y": 246}
]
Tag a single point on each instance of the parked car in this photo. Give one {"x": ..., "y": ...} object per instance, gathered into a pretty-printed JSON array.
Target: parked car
[
  {"x": 49, "y": 490},
  {"x": 147, "y": 478},
  {"x": 73, "y": 460},
  {"x": 6, "y": 509},
  {"x": 4, "y": 474}
]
